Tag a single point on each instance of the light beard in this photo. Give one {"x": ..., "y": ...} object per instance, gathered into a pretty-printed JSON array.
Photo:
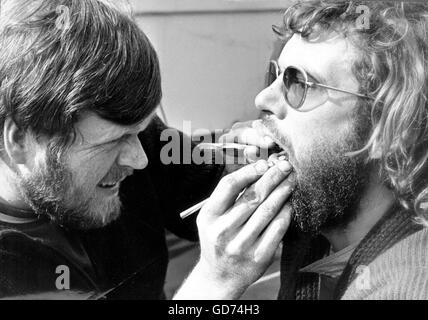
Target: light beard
[
  {"x": 50, "y": 191},
  {"x": 329, "y": 187}
]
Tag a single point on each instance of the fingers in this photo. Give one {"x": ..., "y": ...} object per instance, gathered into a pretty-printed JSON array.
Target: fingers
[
  {"x": 246, "y": 136},
  {"x": 261, "y": 129},
  {"x": 251, "y": 154},
  {"x": 275, "y": 158},
  {"x": 248, "y": 155},
  {"x": 236, "y": 157},
  {"x": 251, "y": 133},
  {"x": 239, "y": 237},
  {"x": 265, "y": 213},
  {"x": 245, "y": 133},
  {"x": 255, "y": 195},
  {"x": 231, "y": 185},
  {"x": 268, "y": 242},
  {"x": 242, "y": 124}
]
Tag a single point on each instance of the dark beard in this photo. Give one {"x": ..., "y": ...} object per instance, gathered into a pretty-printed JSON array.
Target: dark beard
[{"x": 50, "y": 192}]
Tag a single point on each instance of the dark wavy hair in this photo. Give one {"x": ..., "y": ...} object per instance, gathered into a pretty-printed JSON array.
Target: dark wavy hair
[
  {"x": 392, "y": 68},
  {"x": 52, "y": 71}
]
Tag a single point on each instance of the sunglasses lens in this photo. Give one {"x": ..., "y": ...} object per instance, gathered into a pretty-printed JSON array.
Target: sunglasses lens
[{"x": 295, "y": 87}]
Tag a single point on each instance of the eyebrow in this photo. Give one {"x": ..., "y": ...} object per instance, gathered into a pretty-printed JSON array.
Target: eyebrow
[
  {"x": 136, "y": 128},
  {"x": 317, "y": 78},
  {"x": 121, "y": 135},
  {"x": 112, "y": 139},
  {"x": 314, "y": 75}
]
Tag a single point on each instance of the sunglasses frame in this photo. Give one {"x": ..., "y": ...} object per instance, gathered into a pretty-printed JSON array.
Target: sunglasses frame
[{"x": 308, "y": 84}]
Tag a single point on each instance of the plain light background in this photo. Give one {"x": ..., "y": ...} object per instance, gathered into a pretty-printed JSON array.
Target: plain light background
[{"x": 213, "y": 56}]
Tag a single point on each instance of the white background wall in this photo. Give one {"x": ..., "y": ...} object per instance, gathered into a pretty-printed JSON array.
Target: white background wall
[{"x": 213, "y": 55}]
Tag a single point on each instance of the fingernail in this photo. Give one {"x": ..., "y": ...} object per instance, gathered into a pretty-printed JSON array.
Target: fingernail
[
  {"x": 261, "y": 166},
  {"x": 284, "y": 166},
  {"x": 270, "y": 163},
  {"x": 282, "y": 158}
]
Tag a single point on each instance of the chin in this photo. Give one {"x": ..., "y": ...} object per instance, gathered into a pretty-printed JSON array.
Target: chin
[
  {"x": 96, "y": 214},
  {"x": 107, "y": 212}
]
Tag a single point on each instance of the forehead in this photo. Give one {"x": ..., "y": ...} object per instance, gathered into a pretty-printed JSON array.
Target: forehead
[
  {"x": 95, "y": 129},
  {"x": 330, "y": 57}
]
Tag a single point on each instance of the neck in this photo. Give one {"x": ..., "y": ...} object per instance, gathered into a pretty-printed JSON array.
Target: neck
[
  {"x": 376, "y": 201},
  {"x": 9, "y": 192}
]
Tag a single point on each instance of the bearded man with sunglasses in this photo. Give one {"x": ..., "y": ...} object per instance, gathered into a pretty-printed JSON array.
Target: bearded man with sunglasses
[
  {"x": 349, "y": 107},
  {"x": 85, "y": 197}
]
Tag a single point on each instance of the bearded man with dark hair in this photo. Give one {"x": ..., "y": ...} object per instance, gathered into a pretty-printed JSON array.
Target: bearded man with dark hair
[{"x": 80, "y": 84}]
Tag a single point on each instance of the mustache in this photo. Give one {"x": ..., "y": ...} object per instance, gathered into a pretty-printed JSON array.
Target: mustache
[{"x": 272, "y": 130}]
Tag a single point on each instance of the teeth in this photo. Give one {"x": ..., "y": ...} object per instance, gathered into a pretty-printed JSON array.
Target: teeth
[
  {"x": 285, "y": 154},
  {"x": 107, "y": 185}
]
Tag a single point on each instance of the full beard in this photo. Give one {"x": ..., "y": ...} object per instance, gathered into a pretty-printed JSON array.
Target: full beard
[
  {"x": 329, "y": 188},
  {"x": 330, "y": 183},
  {"x": 50, "y": 191}
]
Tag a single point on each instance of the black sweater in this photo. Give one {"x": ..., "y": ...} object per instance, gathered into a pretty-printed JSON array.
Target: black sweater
[{"x": 129, "y": 254}]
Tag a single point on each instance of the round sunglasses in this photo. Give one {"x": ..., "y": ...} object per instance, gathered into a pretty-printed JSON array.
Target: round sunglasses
[{"x": 299, "y": 91}]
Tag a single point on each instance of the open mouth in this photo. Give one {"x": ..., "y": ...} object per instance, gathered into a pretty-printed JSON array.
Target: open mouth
[
  {"x": 277, "y": 149},
  {"x": 109, "y": 185},
  {"x": 112, "y": 182}
]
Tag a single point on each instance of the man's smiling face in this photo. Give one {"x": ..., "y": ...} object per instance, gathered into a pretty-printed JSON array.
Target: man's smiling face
[
  {"x": 318, "y": 138},
  {"x": 80, "y": 189}
]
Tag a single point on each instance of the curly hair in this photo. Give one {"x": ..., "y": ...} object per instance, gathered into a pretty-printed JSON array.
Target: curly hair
[
  {"x": 97, "y": 60},
  {"x": 393, "y": 69}
]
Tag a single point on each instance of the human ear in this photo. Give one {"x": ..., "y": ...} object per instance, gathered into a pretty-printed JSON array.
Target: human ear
[{"x": 14, "y": 141}]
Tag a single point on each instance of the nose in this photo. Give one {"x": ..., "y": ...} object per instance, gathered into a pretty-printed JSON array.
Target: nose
[
  {"x": 271, "y": 100},
  {"x": 132, "y": 154}
]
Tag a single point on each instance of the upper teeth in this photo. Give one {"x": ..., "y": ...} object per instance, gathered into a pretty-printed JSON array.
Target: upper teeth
[{"x": 108, "y": 184}]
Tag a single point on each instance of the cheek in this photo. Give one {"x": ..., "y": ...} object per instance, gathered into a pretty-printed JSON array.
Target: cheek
[
  {"x": 307, "y": 134},
  {"x": 90, "y": 169}
]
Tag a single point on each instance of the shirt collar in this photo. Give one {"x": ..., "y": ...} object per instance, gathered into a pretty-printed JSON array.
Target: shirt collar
[
  {"x": 332, "y": 265},
  {"x": 10, "y": 214}
]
